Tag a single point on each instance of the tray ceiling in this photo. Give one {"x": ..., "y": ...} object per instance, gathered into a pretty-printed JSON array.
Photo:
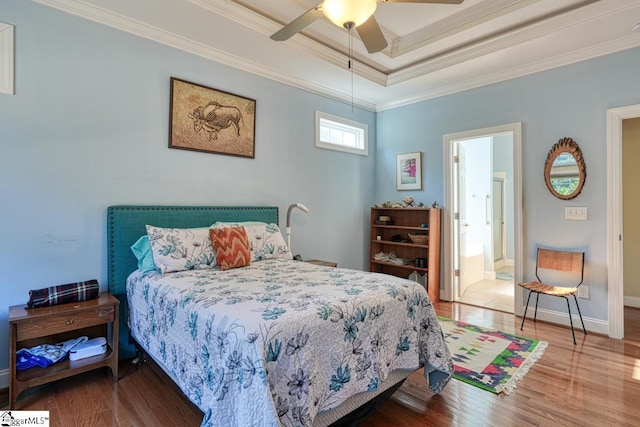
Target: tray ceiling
[{"x": 433, "y": 49}]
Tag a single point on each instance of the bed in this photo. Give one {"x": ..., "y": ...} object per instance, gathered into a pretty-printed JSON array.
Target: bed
[{"x": 276, "y": 342}]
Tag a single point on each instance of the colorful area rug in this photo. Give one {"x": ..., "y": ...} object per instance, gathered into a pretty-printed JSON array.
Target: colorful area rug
[{"x": 492, "y": 360}]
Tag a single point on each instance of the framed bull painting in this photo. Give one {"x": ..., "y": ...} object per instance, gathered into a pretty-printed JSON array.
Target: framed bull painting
[{"x": 210, "y": 120}]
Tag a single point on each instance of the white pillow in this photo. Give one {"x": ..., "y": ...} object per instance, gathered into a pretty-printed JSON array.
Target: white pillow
[
  {"x": 179, "y": 249},
  {"x": 265, "y": 240}
]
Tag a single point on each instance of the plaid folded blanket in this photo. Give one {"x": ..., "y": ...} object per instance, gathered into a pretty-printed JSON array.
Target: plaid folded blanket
[{"x": 61, "y": 294}]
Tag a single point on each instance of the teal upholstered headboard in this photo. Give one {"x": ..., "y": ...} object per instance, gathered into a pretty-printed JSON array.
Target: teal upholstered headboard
[{"x": 126, "y": 223}]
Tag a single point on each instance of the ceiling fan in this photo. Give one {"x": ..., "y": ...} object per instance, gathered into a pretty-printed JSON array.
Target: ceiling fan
[{"x": 350, "y": 14}]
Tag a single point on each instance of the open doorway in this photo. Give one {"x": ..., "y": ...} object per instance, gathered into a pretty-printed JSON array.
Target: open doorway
[
  {"x": 482, "y": 218},
  {"x": 615, "y": 214}
]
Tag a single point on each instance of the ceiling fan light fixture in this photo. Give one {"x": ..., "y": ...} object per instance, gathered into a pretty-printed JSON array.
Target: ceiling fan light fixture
[{"x": 343, "y": 12}]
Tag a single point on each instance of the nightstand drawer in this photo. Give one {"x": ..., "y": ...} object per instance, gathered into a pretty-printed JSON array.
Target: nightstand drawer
[{"x": 63, "y": 322}]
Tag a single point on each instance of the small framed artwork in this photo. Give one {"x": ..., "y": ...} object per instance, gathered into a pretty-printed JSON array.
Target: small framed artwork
[
  {"x": 210, "y": 120},
  {"x": 409, "y": 171}
]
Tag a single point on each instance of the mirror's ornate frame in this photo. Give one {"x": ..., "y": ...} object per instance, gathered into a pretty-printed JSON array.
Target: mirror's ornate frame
[{"x": 565, "y": 145}]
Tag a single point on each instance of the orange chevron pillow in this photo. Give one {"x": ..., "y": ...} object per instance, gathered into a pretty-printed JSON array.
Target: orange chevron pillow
[{"x": 231, "y": 245}]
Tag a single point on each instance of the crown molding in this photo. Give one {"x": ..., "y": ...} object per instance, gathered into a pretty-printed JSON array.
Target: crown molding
[
  {"x": 456, "y": 23},
  {"x": 257, "y": 22},
  {"x": 499, "y": 42},
  {"x": 132, "y": 26},
  {"x": 580, "y": 55}
]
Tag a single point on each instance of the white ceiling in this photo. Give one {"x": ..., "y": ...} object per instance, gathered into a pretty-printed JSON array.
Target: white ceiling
[{"x": 434, "y": 49}]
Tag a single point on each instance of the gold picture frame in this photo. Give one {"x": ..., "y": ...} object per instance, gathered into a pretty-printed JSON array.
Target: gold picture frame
[{"x": 211, "y": 120}]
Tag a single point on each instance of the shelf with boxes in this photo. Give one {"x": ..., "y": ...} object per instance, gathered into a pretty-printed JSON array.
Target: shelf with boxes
[{"x": 413, "y": 236}]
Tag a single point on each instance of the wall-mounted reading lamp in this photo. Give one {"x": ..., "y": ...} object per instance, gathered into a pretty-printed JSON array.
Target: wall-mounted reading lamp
[{"x": 291, "y": 207}]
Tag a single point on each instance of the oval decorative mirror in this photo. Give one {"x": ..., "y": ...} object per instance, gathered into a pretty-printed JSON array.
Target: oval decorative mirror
[{"x": 565, "y": 170}]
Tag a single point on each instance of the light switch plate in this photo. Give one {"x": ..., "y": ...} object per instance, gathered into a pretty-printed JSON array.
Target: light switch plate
[{"x": 575, "y": 213}]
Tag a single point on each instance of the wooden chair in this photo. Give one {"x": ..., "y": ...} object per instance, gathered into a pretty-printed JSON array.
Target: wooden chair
[{"x": 564, "y": 261}]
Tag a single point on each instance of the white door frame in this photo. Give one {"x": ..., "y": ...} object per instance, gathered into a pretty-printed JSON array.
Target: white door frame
[
  {"x": 501, "y": 177},
  {"x": 615, "y": 271},
  {"x": 448, "y": 224}
]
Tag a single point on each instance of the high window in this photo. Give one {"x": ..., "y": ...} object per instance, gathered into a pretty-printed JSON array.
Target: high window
[{"x": 337, "y": 133}]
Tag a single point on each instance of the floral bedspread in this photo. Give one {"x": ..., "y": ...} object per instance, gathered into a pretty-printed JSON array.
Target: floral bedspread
[{"x": 279, "y": 341}]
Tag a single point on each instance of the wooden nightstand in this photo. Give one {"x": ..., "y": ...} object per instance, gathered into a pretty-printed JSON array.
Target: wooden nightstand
[
  {"x": 31, "y": 327},
  {"x": 324, "y": 263}
]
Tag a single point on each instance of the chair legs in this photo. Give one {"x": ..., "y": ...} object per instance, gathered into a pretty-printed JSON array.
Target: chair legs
[
  {"x": 526, "y": 307},
  {"x": 581, "y": 321},
  {"x": 570, "y": 320},
  {"x": 535, "y": 314},
  {"x": 570, "y": 317}
]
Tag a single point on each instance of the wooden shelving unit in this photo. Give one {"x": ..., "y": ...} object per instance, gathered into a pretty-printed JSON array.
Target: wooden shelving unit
[{"x": 405, "y": 221}]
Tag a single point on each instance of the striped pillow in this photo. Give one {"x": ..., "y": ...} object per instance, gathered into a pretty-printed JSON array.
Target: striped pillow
[{"x": 231, "y": 246}]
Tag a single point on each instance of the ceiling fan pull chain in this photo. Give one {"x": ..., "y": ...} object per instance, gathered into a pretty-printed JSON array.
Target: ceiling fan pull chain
[{"x": 350, "y": 64}]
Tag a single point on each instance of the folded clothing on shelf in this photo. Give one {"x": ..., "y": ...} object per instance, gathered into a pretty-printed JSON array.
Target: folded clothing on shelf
[{"x": 45, "y": 355}]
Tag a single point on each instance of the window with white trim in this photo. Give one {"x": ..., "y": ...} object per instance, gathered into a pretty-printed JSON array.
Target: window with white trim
[{"x": 337, "y": 133}]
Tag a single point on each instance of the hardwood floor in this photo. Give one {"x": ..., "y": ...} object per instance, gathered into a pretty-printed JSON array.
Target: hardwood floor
[
  {"x": 142, "y": 397},
  {"x": 595, "y": 383}
]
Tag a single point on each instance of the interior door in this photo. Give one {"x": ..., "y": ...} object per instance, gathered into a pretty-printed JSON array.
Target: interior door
[
  {"x": 461, "y": 229},
  {"x": 509, "y": 138}
]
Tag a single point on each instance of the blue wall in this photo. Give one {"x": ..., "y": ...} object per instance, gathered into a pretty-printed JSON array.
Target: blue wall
[
  {"x": 570, "y": 101},
  {"x": 88, "y": 128}
]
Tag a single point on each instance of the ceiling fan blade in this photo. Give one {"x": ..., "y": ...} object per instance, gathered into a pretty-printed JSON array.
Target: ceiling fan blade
[
  {"x": 423, "y": 1},
  {"x": 298, "y": 24},
  {"x": 371, "y": 35}
]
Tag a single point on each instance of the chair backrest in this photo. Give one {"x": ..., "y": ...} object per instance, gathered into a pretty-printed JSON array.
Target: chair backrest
[{"x": 564, "y": 261}]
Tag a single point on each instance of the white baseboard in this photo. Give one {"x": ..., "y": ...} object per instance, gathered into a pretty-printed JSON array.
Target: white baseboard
[
  {"x": 632, "y": 302},
  {"x": 503, "y": 263},
  {"x": 560, "y": 318},
  {"x": 4, "y": 379}
]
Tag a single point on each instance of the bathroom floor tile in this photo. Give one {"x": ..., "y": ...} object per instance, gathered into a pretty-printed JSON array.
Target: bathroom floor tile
[{"x": 492, "y": 294}]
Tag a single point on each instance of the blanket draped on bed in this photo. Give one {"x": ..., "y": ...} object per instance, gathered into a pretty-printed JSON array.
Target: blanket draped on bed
[{"x": 279, "y": 341}]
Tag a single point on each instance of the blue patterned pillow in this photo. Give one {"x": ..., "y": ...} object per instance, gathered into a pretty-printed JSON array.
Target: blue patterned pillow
[
  {"x": 179, "y": 249},
  {"x": 142, "y": 250}
]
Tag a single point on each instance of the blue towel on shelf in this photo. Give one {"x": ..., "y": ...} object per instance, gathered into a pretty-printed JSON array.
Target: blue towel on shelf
[{"x": 45, "y": 355}]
